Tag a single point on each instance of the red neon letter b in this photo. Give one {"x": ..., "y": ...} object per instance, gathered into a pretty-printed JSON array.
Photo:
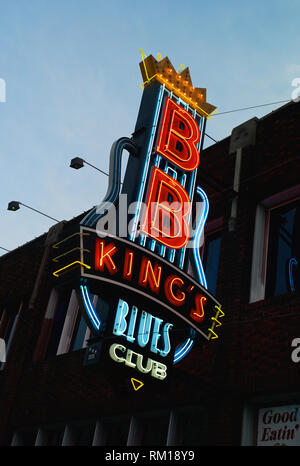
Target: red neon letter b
[
  {"x": 179, "y": 136},
  {"x": 168, "y": 204}
]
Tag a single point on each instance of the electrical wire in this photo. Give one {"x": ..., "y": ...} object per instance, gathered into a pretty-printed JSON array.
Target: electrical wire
[
  {"x": 210, "y": 137},
  {"x": 254, "y": 106},
  {"x": 245, "y": 108},
  {"x": 223, "y": 113}
]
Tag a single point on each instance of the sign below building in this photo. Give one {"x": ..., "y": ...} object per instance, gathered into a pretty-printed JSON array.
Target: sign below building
[{"x": 279, "y": 426}]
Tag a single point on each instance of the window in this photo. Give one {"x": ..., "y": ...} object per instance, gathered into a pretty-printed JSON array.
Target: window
[
  {"x": 54, "y": 437},
  {"x": 26, "y": 437},
  {"x": 212, "y": 249},
  {"x": 50, "y": 436},
  {"x": 283, "y": 249},
  {"x": 64, "y": 328},
  {"x": 154, "y": 430},
  {"x": 79, "y": 434},
  {"x": 9, "y": 315},
  {"x": 189, "y": 423},
  {"x": 275, "y": 256},
  {"x": 84, "y": 435},
  {"x": 79, "y": 333},
  {"x": 58, "y": 322},
  {"x": 74, "y": 330},
  {"x": 115, "y": 431}
]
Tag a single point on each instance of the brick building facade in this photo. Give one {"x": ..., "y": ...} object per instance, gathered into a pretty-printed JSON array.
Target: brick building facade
[{"x": 50, "y": 397}]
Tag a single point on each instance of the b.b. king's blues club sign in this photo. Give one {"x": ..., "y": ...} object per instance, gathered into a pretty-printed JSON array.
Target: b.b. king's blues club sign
[{"x": 153, "y": 305}]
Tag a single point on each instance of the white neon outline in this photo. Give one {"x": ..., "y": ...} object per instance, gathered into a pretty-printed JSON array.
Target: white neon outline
[
  {"x": 147, "y": 162},
  {"x": 167, "y": 342},
  {"x": 184, "y": 350},
  {"x": 201, "y": 275},
  {"x": 89, "y": 307},
  {"x": 197, "y": 237}
]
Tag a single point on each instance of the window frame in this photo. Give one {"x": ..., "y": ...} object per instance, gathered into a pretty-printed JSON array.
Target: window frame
[
  {"x": 213, "y": 227},
  {"x": 261, "y": 239}
]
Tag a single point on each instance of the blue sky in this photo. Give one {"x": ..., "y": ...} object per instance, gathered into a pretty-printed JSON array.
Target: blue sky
[{"x": 72, "y": 86}]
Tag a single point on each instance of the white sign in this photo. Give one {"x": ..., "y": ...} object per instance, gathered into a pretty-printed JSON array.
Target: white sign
[{"x": 279, "y": 425}]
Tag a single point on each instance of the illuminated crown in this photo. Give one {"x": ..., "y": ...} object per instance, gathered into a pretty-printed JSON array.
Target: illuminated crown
[{"x": 179, "y": 83}]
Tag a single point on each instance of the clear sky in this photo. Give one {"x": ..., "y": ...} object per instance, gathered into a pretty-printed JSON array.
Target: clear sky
[{"x": 72, "y": 86}]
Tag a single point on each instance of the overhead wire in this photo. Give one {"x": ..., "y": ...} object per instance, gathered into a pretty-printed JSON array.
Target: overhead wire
[
  {"x": 246, "y": 108},
  {"x": 253, "y": 106},
  {"x": 222, "y": 113}
]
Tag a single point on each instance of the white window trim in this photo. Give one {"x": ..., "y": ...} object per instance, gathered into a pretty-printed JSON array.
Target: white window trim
[
  {"x": 69, "y": 325},
  {"x": 7, "y": 342},
  {"x": 261, "y": 239}
]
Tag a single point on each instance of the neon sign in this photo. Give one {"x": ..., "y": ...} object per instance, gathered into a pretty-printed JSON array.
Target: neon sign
[
  {"x": 145, "y": 329},
  {"x": 128, "y": 266},
  {"x": 145, "y": 274}
]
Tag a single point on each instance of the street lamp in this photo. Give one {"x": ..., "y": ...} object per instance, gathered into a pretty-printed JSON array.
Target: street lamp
[
  {"x": 78, "y": 162},
  {"x": 15, "y": 205}
]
